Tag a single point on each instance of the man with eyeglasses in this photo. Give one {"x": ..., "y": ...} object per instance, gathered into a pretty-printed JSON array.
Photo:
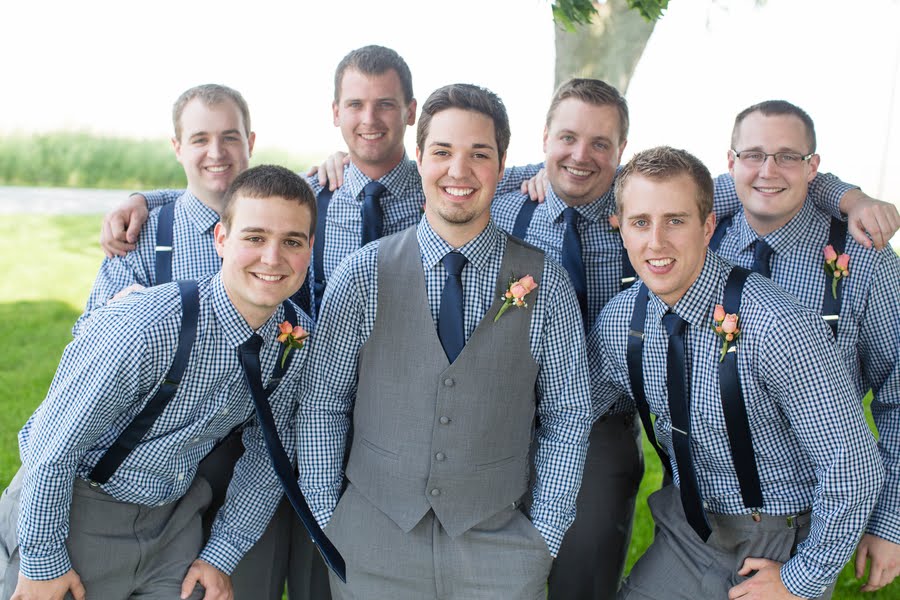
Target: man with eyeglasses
[{"x": 782, "y": 235}]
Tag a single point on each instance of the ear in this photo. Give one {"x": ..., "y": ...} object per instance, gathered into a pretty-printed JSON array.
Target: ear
[
  {"x": 813, "y": 167},
  {"x": 411, "y": 113},
  {"x": 251, "y": 139},
  {"x": 219, "y": 233},
  {"x": 419, "y": 159},
  {"x": 731, "y": 159},
  {"x": 176, "y": 145},
  {"x": 709, "y": 227},
  {"x": 502, "y": 164},
  {"x": 336, "y": 113},
  {"x": 546, "y": 135},
  {"x": 621, "y": 150}
]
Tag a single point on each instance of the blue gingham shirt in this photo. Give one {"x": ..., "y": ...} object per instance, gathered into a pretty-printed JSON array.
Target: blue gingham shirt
[
  {"x": 556, "y": 341},
  {"x": 813, "y": 447},
  {"x": 193, "y": 256},
  {"x": 104, "y": 379},
  {"x": 601, "y": 245},
  {"x": 868, "y": 329}
]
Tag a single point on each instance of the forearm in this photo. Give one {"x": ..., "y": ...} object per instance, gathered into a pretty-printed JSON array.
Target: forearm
[{"x": 157, "y": 198}]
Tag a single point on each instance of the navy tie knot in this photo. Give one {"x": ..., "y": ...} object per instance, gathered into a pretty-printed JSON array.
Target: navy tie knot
[
  {"x": 570, "y": 216},
  {"x": 253, "y": 344},
  {"x": 454, "y": 263},
  {"x": 762, "y": 253},
  {"x": 572, "y": 260},
  {"x": 372, "y": 215},
  {"x": 674, "y": 324}
]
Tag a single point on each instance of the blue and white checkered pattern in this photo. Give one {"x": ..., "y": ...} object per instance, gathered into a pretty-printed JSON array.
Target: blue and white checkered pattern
[
  {"x": 813, "y": 448},
  {"x": 868, "y": 330},
  {"x": 194, "y": 254},
  {"x": 105, "y": 377},
  {"x": 348, "y": 316}
]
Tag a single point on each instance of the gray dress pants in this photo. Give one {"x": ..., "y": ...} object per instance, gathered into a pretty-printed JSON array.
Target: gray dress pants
[{"x": 120, "y": 550}]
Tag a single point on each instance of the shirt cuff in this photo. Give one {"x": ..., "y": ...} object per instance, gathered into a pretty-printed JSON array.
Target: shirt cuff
[
  {"x": 796, "y": 578},
  {"x": 551, "y": 535},
  {"x": 42, "y": 568},
  {"x": 221, "y": 554},
  {"x": 885, "y": 523}
]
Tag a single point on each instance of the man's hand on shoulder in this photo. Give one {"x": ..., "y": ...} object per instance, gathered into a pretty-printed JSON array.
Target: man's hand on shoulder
[
  {"x": 51, "y": 589},
  {"x": 880, "y": 220},
  {"x": 885, "y": 557},
  {"x": 766, "y": 584},
  {"x": 216, "y": 583},
  {"x": 122, "y": 225},
  {"x": 331, "y": 171},
  {"x": 536, "y": 187}
]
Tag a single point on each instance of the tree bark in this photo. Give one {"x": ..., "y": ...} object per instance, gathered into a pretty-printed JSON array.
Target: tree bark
[{"x": 608, "y": 49}]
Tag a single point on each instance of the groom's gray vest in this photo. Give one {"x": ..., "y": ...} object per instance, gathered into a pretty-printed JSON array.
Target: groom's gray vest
[{"x": 431, "y": 435}]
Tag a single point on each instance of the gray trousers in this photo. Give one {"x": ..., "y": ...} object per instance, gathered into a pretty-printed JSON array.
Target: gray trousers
[
  {"x": 591, "y": 561},
  {"x": 502, "y": 558},
  {"x": 679, "y": 565},
  {"x": 120, "y": 550}
]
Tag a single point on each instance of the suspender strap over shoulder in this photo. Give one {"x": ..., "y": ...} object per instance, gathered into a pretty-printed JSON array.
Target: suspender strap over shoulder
[
  {"x": 721, "y": 227},
  {"x": 523, "y": 219},
  {"x": 733, "y": 407},
  {"x": 831, "y": 306},
  {"x": 634, "y": 358},
  {"x": 135, "y": 431},
  {"x": 313, "y": 302},
  {"x": 164, "y": 240}
]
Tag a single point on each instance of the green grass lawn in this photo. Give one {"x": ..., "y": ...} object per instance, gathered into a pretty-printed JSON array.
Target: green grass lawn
[{"x": 49, "y": 264}]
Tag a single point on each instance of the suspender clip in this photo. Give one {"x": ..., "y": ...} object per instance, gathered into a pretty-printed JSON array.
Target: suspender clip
[{"x": 755, "y": 515}]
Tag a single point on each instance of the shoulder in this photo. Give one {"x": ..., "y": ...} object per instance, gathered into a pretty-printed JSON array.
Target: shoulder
[
  {"x": 505, "y": 208},
  {"x": 773, "y": 312},
  {"x": 138, "y": 319}
]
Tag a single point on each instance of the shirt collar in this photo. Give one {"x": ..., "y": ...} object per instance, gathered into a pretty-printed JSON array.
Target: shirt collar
[
  {"x": 783, "y": 239},
  {"x": 395, "y": 181},
  {"x": 234, "y": 327},
  {"x": 478, "y": 251},
  {"x": 202, "y": 217},
  {"x": 697, "y": 304},
  {"x": 594, "y": 212}
]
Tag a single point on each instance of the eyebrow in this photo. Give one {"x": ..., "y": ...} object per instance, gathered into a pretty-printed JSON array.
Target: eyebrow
[
  {"x": 226, "y": 132},
  {"x": 596, "y": 137},
  {"x": 476, "y": 145},
  {"x": 758, "y": 148},
  {"x": 296, "y": 234},
  {"x": 665, "y": 215}
]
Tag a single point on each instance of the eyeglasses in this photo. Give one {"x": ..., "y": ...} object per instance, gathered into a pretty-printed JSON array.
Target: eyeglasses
[{"x": 786, "y": 160}]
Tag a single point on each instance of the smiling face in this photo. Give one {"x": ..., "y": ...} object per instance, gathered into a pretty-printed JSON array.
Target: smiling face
[
  {"x": 583, "y": 147},
  {"x": 663, "y": 232},
  {"x": 373, "y": 114},
  {"x": 265, "y": 253},
  {"x": 213, "y": 148},
  {"x": 460, "y": 166},
  {"x": 771, "y": 195}
]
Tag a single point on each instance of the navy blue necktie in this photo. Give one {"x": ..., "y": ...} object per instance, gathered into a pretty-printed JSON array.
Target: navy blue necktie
[
  {"x": 372, "y": 215},
  {"x": 249, "y": 353},
  {"x": 681, "y": 426},
  {"x": 762, "y": 253},
  {"x": 571, "y": 258},
  {"x": 451, "y": 330}
]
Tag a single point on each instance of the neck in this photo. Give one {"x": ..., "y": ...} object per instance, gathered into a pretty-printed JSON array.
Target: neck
[
  {"x": 213, "y": 201},
  {"x": 377, "y": 171},
  {"x": 457, "y": 235},
  {"x": 762, "y": 226}
]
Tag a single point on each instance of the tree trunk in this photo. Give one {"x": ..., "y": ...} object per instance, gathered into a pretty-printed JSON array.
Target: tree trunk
[{"x": 608, "y": 49}]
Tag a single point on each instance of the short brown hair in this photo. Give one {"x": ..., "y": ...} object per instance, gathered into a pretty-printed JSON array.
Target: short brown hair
[
  {"x": 592, "y": 91},
  {"x": 772, "y": 108},
  {"x": 210, "y": 94},
  {"x": 466, "y": 97},
  {"x": 269, "y": 181},
  {"x": 374, "y": 60},
  {"x": 663, "y": 163}
]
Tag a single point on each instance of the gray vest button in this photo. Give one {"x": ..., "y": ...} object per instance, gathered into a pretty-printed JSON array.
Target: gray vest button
[
  {"x": 449, "y": 382},
  {"x": 435, "y": 492},
  {"x": 444, "y": 420},
  {"x": 440, "y": 456}
]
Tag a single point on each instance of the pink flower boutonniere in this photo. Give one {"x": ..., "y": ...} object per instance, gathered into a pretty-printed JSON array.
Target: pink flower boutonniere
[
  {"x": 836, "y": 266},
  {"x": 726, "y": 327},
  {"x": 292, "y": 337},
  {"x": 515, "y": 293}
]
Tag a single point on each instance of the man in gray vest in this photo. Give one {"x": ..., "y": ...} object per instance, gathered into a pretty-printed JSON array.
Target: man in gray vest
[{"x": 444, "y": 341}]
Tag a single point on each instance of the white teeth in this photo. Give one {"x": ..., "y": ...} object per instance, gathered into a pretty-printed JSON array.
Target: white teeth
[
  {"x": 577, "y": 172},
  {"x": 371, "y": 136},
  {"x": 660, "y": 262},
  {"x": 220, "y": 169},
  {"x": 269, "y": 277},
  {"x": 769, "y": 190},
  {"x": 459, "y": 191}
]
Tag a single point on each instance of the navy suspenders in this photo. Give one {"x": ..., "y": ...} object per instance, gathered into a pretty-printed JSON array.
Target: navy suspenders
[
  {"x": 135, "y": 431},
  {"x": 837, "y": 237},
  {"x": 309, "y": 296},
  {"x": 131, "y": 435},
  {"x": 164, "y": 236},
  {"x": 736, "y": 422},
  {"x": 520, "y": 228}
]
